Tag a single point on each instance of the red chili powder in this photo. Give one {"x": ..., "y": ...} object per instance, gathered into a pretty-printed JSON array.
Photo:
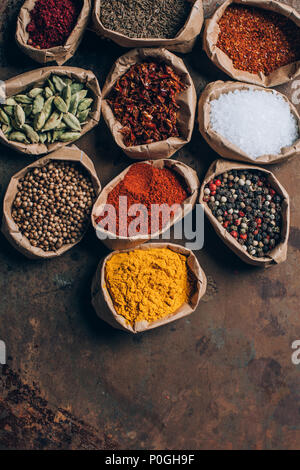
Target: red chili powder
[
  {"x": 258, "y": 40},
  {"x": 144, "y": 184},
  {"x": 52, "y": 22}
]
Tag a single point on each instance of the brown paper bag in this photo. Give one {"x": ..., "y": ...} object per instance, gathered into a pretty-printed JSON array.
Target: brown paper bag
[
  {"x": 9, "y": 227},
  {"x": 186, "y": 100},
  {"x": 22, "y": 82},
  {"x": 58, "y": 54},
  {"x": 221, "y": 60},
  {"x": 116, "y": 242},
  {"x": 223, "y": 146},
  {"x": 103, "y": 303},
  {"x": 183, "y": 42},
  {"x": 279, "y": 253}
]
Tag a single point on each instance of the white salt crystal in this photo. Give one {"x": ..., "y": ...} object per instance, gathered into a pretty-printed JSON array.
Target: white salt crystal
[{"x": 258, "y": 122}]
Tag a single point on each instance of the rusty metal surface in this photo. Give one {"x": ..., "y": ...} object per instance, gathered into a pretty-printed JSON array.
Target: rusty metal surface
[{"x": 221, "y": 378}]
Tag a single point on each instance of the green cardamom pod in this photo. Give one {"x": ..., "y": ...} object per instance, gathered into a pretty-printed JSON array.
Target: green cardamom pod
[
  {"x": 6, "y": 129},
  {"x": 9, "y": 110},
  {"x": 72, "y": 122},
  {"x": 83, "y": 115},
  {"x": 62, "y": 125},
  {"x": 34, "y": 92},
  {"x": 75, "y": 87},
  {"x": 68, "y": 81},
  {"x": 4, "y": 118},
  {"x": 27, "y": 110},
  {"x": 48, "y": 92},
  {"x": 23, "y": 99},
  {"x": 84, "y": 104},
  {"x": 31, "y": 134},
  {"x": 82, "y": 94},
  {"x": 19, "y": 137},
  {"x": 47, "y": 109},
  {"x": 19, "y": 115},
  {"x": 39, "y": 121},
  {"x": 51, "y": 86},
  {"x": 15, "y": 124},
  {"x": 56, "y": 135},
  {"x": 38, "y": 104},
  {"x": 10, "y": 101},
  {"x": 49, "y": 137},
  {"x": 60, "y": 104},
  {"x": 74, "y": 104},
  {"x": 53, "y": 121},
  {"x": 69, "y": 136},
  {"x": 58, "y": 82},
  {"x": 42, "y": 137},
  {"x": 67, "y": 95}
]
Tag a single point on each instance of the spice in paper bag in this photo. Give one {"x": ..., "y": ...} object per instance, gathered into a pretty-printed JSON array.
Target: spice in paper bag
[
  {"x": 168, "y": 284},
  {"x": 149, "y": 23},
  {"x": 144, "y": 18},
  {"x": 48, "y": 204},
  {"x": 48, "y": 108},
  {"x": 153, "y": 118},
  {"x": 168, "y": 184},
  {"x": 249, "y": 210},
  {"x": 249, "y": 123},
  {"x": 255, "y": 41},
  {"x": 51, "y": 31}
]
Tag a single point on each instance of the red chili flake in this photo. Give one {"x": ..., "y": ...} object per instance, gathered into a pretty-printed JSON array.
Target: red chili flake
[
  {"x": 52, "y": 21},
  {"x": 258, "y": 40},
  {"x": 144, "y": 101}
]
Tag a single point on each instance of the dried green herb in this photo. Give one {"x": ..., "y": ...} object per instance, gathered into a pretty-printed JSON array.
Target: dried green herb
[{"x": 145, "y": 18}]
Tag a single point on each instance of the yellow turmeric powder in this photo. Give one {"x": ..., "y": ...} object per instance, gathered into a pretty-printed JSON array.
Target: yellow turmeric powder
[{"x": 147, "y": 284}]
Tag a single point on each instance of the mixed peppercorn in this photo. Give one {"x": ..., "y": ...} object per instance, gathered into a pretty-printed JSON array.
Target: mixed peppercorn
[
  {"x": 258, "y": 40},
  {"x": 53, "y": 204},
  {"x": 248, "y": 208},
  {"x": 144, "y": 101}
]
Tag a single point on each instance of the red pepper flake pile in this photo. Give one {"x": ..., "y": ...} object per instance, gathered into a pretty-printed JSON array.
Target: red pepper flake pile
[
  {"x": 147, "y": 185},
  {"x": 52, "y": 22},
  {"x": 258, "y": 40},
  {"x": 144, "y": 101}
]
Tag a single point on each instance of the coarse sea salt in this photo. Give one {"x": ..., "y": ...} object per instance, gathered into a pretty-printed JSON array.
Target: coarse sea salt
[{"x": 258, "y": 122}]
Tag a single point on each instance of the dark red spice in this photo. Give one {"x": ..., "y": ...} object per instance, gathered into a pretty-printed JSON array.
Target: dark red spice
[
  {"x": 144, "y": 101},
  {"x": 52, "y": 22},
  {"x": 258, "y": 40},
  {"x": 144, "y": 184}
]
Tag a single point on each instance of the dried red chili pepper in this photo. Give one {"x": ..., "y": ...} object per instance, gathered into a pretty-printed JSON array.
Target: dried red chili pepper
[
  {"x": 258, "y": 40},
  {"x": 144, "y": 101},
  {"x": 144, "y": 184},
  {"x": 52, "y": 21}
]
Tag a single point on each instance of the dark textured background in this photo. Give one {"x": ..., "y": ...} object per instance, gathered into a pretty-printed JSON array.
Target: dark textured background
[{"x": 221, "y": 378}]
